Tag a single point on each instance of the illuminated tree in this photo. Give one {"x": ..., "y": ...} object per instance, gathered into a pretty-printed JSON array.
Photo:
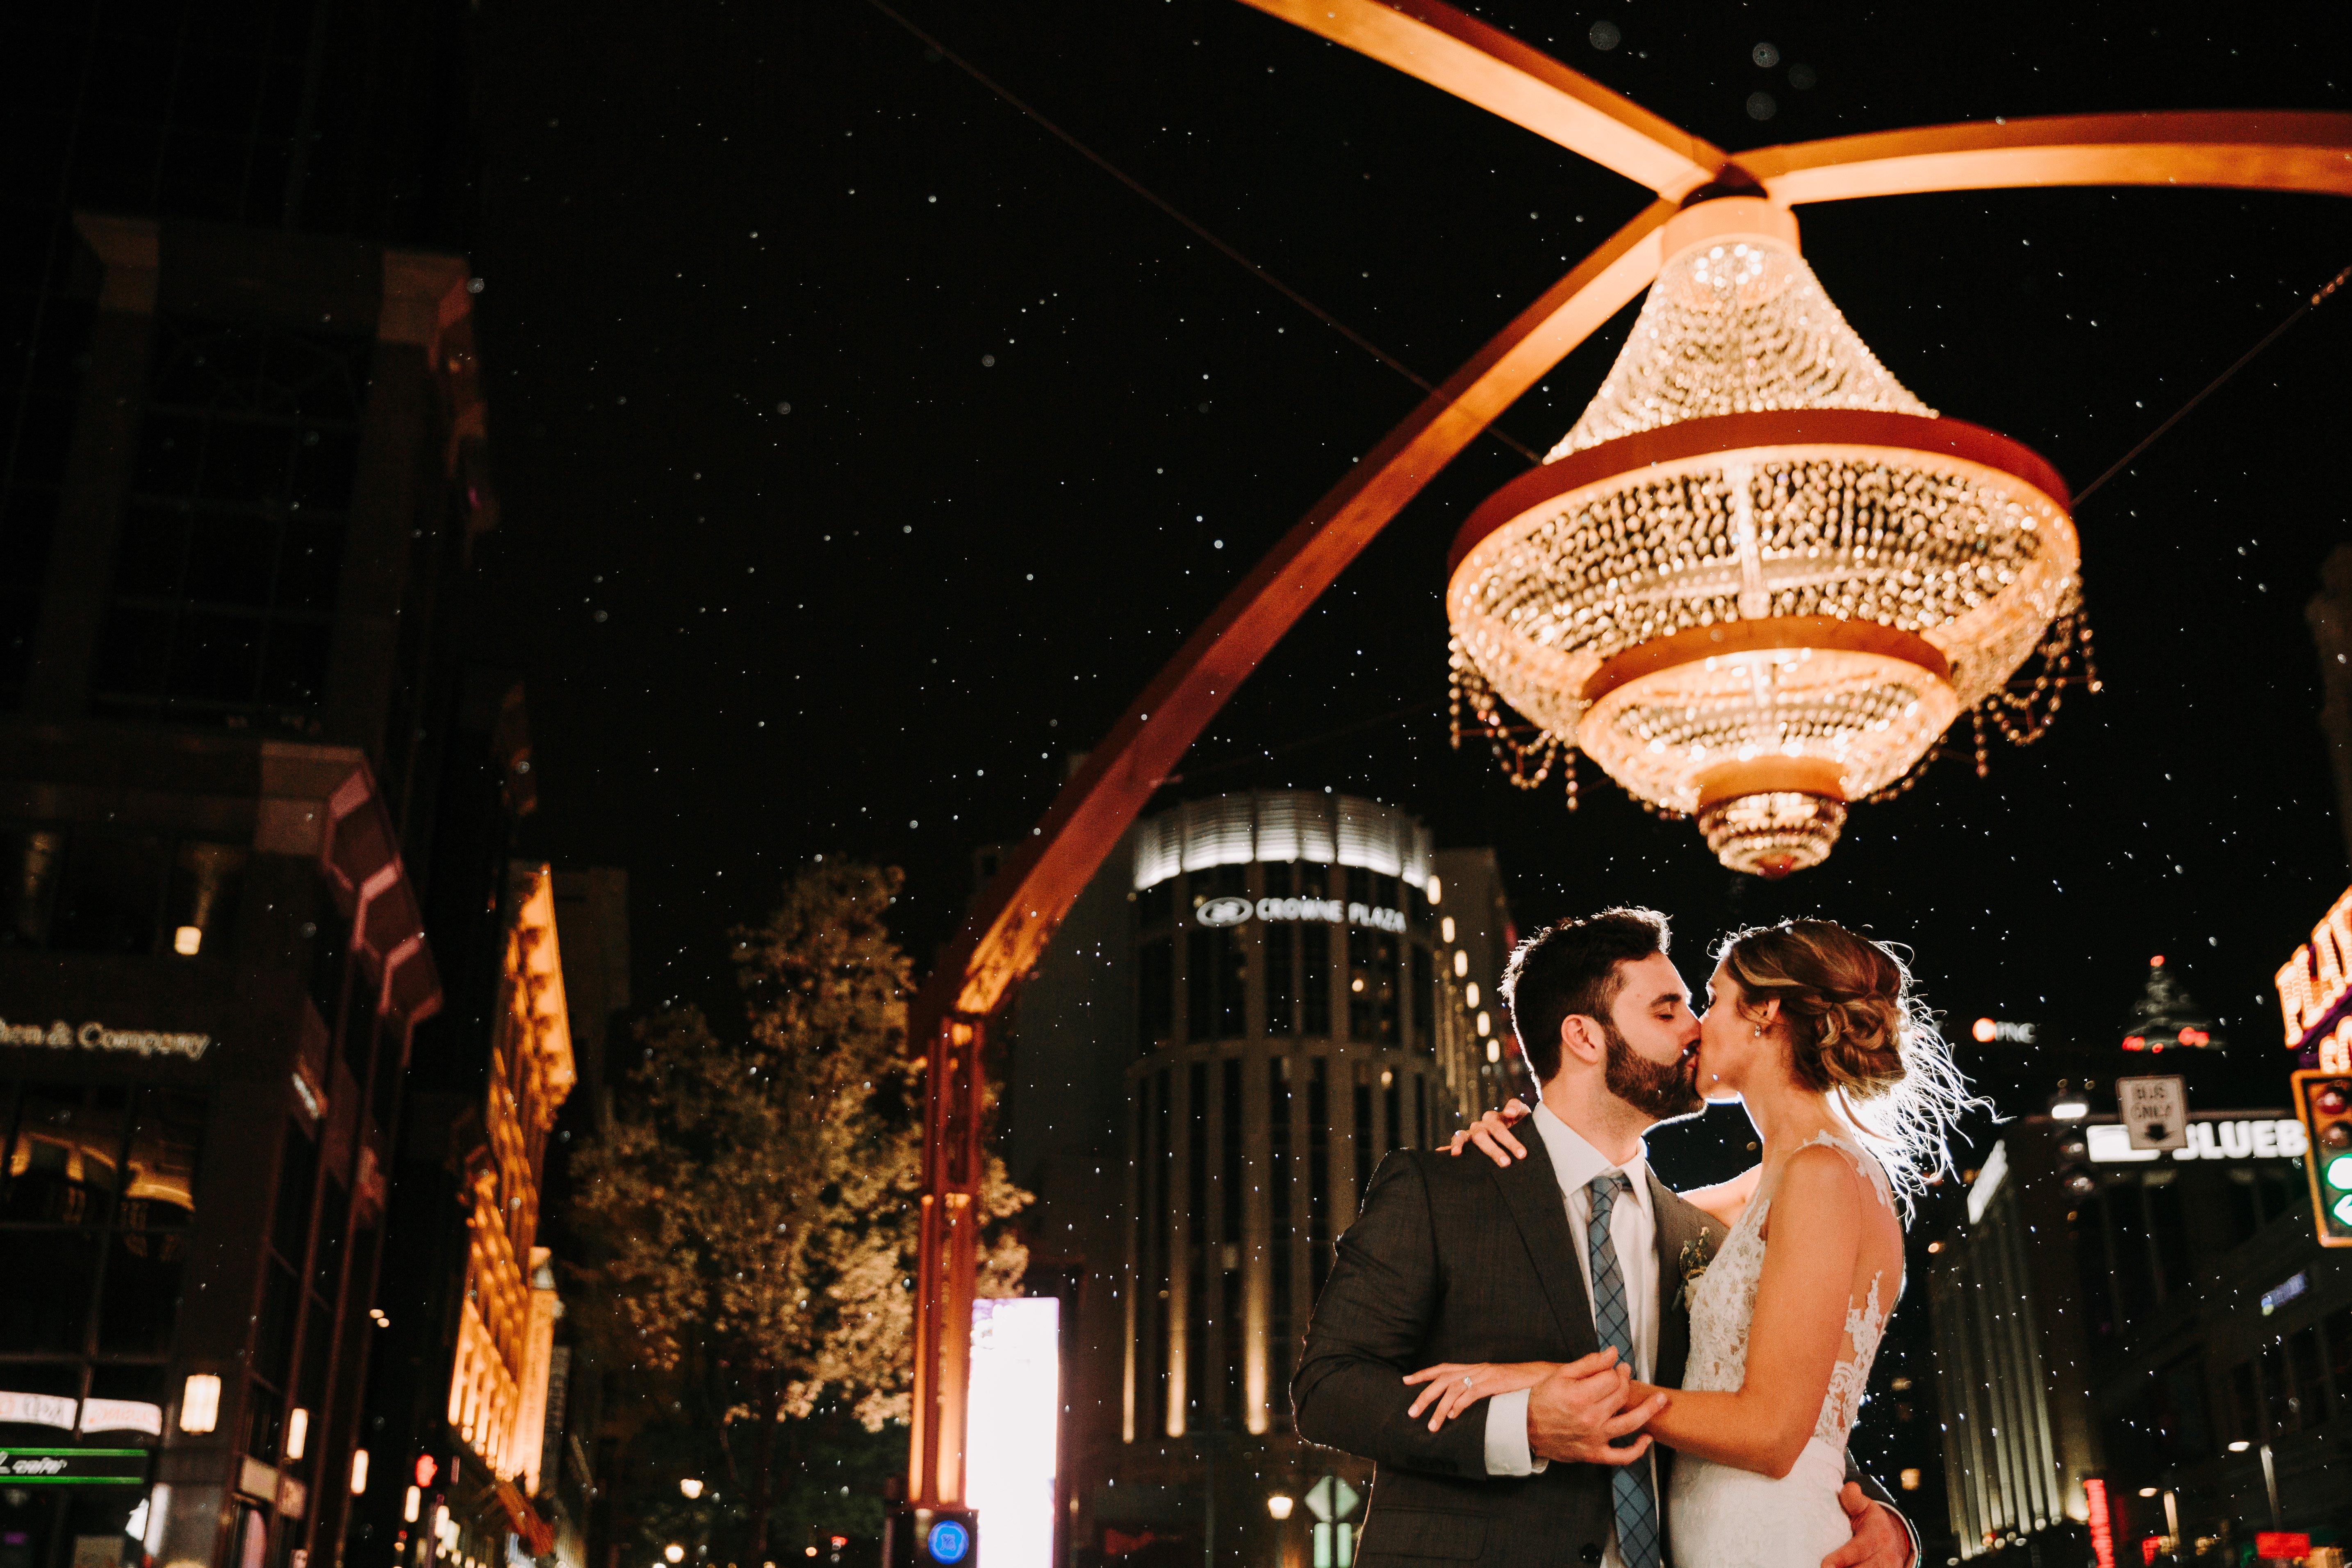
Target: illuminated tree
[{"x": 755, "y": 1200}]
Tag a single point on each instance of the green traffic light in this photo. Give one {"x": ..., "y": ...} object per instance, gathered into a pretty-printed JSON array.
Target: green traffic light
[{"x": 2337, "y": 1172}]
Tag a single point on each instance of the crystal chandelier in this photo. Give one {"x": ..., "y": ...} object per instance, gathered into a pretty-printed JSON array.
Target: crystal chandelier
[{"x": 1758, "y": 580}]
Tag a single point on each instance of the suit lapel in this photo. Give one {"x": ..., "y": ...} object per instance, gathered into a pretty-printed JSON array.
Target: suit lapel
[
  {"x": 1680, "y": 1223},
  {"x": 1531, "y": 1188}
]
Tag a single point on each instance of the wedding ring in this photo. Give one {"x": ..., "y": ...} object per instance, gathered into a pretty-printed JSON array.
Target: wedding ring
[{"x": 1466, "y": 1379}]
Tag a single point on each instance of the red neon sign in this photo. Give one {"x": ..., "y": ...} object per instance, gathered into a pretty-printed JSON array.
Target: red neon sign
[{"x": 2103, "y": 1535}]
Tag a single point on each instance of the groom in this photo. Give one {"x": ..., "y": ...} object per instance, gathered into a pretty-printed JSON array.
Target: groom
[{"x": 1457, "y": 1260}]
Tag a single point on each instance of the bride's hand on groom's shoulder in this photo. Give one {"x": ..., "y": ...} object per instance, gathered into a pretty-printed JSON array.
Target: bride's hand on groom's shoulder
[
  {"x": 1492, "y": 1134},
  {"x": 1451, "y": 1387}
]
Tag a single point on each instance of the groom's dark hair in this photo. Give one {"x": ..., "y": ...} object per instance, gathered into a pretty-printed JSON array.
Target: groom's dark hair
[{"x": 1570, "y": 968}]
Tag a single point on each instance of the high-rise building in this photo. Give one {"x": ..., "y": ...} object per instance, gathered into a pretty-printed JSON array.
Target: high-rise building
[
  {"x": 1257, "y": 998},
  {"x": 241, "y": 482},
  {"x": 465, "y": 1404},
  {"x": 2149, "y": 1339}
]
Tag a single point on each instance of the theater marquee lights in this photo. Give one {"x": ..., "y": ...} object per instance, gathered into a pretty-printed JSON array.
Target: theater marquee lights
[{"x": 2314, "y": 988}]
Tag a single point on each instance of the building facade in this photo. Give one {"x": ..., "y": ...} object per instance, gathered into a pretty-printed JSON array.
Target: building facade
[
  {"x": 220, "y": 780},
  {"x": 241, "y": 482},
  {"x": 466, "y": 1405},
  {"x": 1257, "y": 997},
  {"x": 2154, "y": 1339}
]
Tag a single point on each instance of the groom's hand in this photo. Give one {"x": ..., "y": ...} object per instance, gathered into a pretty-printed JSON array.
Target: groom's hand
[
  {"x": 1575, "y": 1413},
  {"x": 1879, "y": 1539}
]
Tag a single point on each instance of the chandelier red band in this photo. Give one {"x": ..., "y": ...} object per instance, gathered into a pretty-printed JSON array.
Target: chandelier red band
[
  {"x": 1825, "y": 632},
  {"x": 1781, "y": 432}
]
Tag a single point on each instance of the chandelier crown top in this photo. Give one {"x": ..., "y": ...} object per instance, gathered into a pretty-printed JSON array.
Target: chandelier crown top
[
  {"x": 1735, "y": 323},
  {"x": 1726, "y": 220}
]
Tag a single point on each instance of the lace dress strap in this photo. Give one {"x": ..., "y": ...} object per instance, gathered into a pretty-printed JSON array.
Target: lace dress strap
[{"x": 1865, "y": 1323}]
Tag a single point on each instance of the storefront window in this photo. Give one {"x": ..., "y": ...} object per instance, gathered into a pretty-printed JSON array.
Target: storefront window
[{"x": 99, "y": 1200}]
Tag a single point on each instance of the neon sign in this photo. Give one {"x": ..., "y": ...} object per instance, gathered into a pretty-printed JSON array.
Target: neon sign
[{"x": 2313, "y": 984}]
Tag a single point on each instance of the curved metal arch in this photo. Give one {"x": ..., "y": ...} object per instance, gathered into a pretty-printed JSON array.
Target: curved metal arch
[{"x": 1015, "y": 917}]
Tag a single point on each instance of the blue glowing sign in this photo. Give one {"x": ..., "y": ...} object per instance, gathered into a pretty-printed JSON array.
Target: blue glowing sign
[{"x": 949, "y": 1542}]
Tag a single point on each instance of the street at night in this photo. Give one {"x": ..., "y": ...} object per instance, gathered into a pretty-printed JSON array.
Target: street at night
[{"x": 778, "y": 779}]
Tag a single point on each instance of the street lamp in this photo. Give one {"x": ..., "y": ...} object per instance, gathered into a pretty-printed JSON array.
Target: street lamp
[
  {"x": 1280, "y": 1504},
  {"x": 692, "y": 1487},
  {"x": 674, "y": 1551}
]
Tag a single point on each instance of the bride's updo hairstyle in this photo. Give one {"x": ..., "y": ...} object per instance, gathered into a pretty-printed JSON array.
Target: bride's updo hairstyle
[{"x": 1859, "y": 1035}]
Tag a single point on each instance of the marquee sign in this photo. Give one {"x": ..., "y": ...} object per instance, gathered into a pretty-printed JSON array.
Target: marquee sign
[
  {"x": 2315, "y": 986},
  {"x": 95, "y": 1036},
  {"x": 1232, "y": 912},
  {"x": 2231, "y": 1137}
]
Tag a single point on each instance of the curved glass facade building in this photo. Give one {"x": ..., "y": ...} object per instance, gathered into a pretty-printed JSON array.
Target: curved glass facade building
[{"x": 1310, "y": 993}]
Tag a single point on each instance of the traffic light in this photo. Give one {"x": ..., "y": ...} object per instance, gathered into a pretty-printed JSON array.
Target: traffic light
[{"x": 2324, "y": 1101}]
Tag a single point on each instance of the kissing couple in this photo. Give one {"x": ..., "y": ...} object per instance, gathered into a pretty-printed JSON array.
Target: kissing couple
[{"x": 1553, "y": 1360}]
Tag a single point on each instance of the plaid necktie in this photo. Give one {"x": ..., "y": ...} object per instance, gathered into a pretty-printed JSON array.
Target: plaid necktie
[{"x": 1629, "y": 1485}]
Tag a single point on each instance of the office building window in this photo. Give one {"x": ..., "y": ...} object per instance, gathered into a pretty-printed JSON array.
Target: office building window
[
  {"x": 1199, "y": 1310},
  {"x": 1319, "y": 1174},
  {"x": 2245, "y": 1403},
  {"x": 234, "y": 530},
  {"x": 1155, "y": 992},
  {"x": 82, "y": 890},
  {"x": 2278, "y": 1389},
  {"x": 1230, "y": 1138},
  {"x": 2310, "y": 1375},
  {"x": 1424, "y": 999},
  {"x": 1315, "y": 981},
  {"x": 1279, "y": 953},
  {"x": 1373, "y": 986},
  {"x": 97, "y": 1195},
  {"x": 1362, "y": 1141},
  {"x": 1279, "y": 1177},
  {"x": 2168, "y": 1229},
  {"x": 1214, "y": 984},
  {"x": 2337, "y": 1333},
  {"x": 2090, "y": 1233}
]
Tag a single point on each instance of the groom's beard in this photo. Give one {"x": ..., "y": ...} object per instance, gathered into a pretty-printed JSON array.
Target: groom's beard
[{"x": 1661, "y": 1091}]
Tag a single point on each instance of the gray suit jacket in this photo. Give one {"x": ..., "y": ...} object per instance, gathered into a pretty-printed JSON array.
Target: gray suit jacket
[{"x": 1460, "y": 1260}]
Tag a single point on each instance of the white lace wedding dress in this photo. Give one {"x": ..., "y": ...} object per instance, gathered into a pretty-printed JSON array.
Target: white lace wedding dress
[{"x": 1721, "y": 1517}]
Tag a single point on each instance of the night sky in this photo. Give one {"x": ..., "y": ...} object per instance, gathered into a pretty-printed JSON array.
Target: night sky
[{"x": 863, "y": 450}]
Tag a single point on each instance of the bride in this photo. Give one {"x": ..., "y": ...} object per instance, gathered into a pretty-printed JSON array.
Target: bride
[{"x": 1851, "y": 1091}]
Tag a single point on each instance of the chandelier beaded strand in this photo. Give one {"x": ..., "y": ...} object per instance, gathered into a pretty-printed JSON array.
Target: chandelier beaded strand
[{"x": 1758, "y": 579}]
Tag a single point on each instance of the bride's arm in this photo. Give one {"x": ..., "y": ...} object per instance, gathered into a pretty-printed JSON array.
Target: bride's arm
[
  {"x": 1795, "y": 1335},
  {"x": 1724, "y": 1201}
]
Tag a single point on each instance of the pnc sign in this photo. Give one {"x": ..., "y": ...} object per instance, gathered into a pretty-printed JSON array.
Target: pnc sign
[{"x": 1232, "y": 912}]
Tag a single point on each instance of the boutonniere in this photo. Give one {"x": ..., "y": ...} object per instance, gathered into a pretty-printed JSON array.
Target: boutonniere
[{"x": 1696, "y": 1255}]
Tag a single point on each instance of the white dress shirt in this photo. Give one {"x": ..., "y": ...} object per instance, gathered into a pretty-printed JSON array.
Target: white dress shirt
[{"x": 1633, "y": 1231}]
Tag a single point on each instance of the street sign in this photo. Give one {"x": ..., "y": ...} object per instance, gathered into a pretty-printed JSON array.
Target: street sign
[
  {"x": 73, "y": 1466},
  {"x": 2154, "y": 1110}
]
